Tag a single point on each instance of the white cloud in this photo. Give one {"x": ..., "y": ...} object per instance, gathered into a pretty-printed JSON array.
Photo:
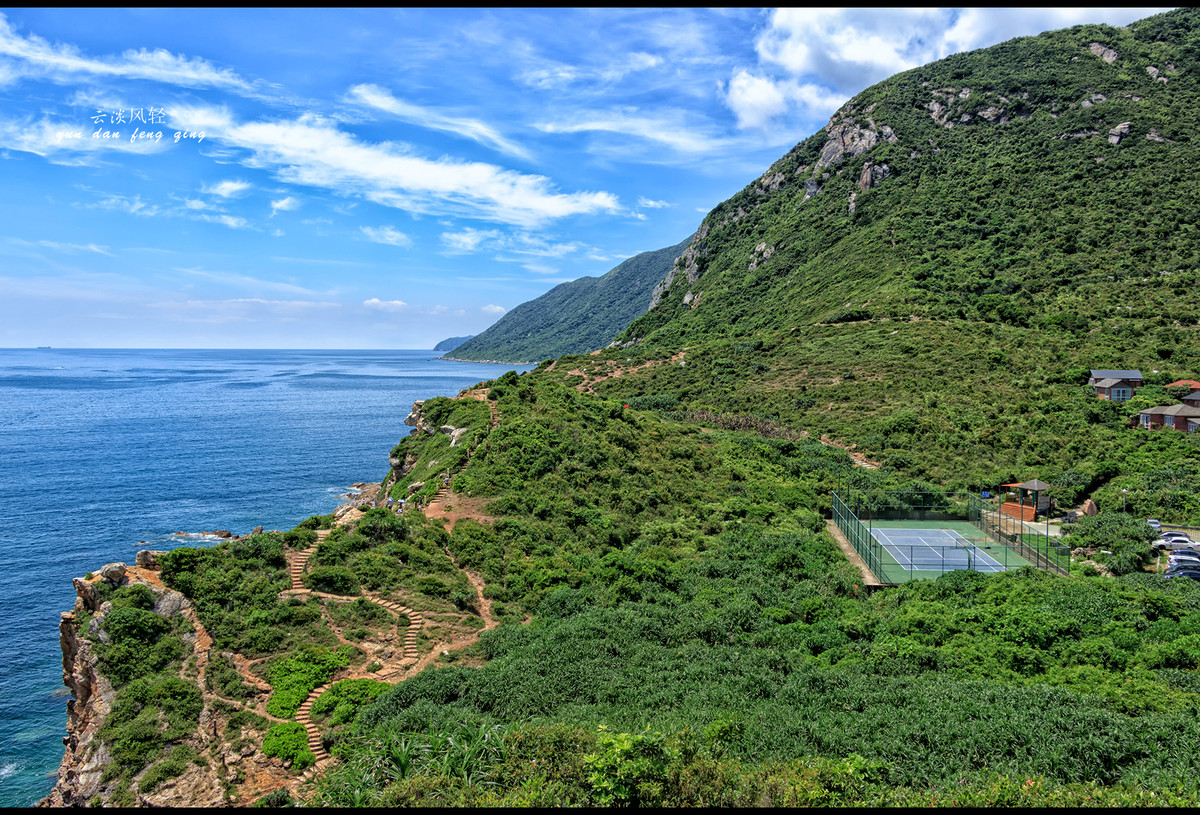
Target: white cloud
[
  {"x": 493, "y": 240},
  {"x": 72, "y": 143},
  {"x": 385, "y": 305},
  {"x": 69, "y": 248},
  {"x": 386, "y": 234},
  {"x": 313, "y": 152},
  {"x": 667, "y": 128},
  {"x": 284, "y": 205},
  {"x": 552, "y": 75},
  {"x": 379, "y": 98},
  {"x": 755, "y": 100},
  {"x": 227, "y": 189},
  {"x": 647, "y": 203},
  {"x": 34, "y": 56},
  {"x": 230, "y": 221},
  {"x": 469, "y": 239},
  {"x": 492, "y": 309},
  {"x": 122, "y": 203},
  {"x": 810, "y": 61},
  {"x": 758, "y": 100}
]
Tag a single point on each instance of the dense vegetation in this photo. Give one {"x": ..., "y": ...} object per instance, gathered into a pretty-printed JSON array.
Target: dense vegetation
[
  {"x": 694, "y": 641},
  {"x": 677, "y": 627},
  {"x": 575, "y": 317}
]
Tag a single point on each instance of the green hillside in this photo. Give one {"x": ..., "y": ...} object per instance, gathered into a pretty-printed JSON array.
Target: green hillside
[
  {"x": 1049, "y": 182},
  {"x": 629, "y": 593},
  {"x": 575, "y": 317},
  {"x": 932, "y": 275}
]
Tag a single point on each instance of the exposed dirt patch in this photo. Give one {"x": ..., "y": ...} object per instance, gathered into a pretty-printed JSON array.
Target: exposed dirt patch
[
  {"x": 453, "y": 508},
  {"x": 859, "y": 459},
  {"x": 614, "y": 370}
]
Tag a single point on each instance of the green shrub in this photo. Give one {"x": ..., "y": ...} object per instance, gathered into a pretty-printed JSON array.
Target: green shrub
[
  {"x": 295, "y": 676},
  {"x": 289, "y": 741},
  {"x": 629, "y": 769},
  {"x": 332, "y": 580}
]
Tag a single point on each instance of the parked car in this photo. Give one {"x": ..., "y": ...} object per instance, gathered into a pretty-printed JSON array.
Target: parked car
[
  {"x": 1184, "y": 556},
  {"x": 1157, "y": 526},
  {"x": 1193, "y": 575},
  {"x": 1169, "y": 535},
  {"x": 1174, "y": 543},
  {"x": 1185, "y": 570}
]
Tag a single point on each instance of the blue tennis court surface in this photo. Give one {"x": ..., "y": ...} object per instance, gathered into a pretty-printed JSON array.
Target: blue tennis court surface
[{"x": 935, "y": 550}]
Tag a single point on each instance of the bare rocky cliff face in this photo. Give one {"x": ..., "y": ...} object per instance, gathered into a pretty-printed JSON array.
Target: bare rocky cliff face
[{"x": 85, "y": 757}]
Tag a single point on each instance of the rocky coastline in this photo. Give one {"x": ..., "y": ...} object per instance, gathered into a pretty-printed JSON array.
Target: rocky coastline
[{"x": 81, "y": 775}]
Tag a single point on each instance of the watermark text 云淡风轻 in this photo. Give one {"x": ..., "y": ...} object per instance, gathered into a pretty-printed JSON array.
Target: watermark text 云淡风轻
[{"x": 135, "y": 124}]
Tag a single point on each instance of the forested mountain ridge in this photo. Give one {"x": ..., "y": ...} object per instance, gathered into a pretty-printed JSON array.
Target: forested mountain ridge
[
  {"x": 574, "y": 317},
  {"x": 1023, "y": 183},
  {"x": 932, "y": 275}
]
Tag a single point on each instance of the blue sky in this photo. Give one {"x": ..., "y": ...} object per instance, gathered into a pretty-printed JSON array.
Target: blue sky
[{"x": 270, "y": 178}]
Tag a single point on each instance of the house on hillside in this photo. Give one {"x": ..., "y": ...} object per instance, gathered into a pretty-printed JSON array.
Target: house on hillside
[
  {"x": 1192, "y": 399},
  {"x": 1190, "y": 383},
  {"x": 1176, "y": 417},
  {"x": 1117, "y": 386}
]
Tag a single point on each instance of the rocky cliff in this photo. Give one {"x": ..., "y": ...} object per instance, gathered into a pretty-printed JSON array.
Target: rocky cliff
[{"x": 228, "y": 769}]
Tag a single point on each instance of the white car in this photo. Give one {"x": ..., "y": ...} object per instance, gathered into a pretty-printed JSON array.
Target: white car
[{"x": 1173, "y": 544}]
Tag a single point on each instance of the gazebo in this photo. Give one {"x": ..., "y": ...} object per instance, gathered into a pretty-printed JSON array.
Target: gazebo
[{"x": 1029, "y": 500}]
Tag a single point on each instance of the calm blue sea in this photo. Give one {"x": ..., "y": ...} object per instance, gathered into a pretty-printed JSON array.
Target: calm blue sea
[{"x": 104, "y": 452}]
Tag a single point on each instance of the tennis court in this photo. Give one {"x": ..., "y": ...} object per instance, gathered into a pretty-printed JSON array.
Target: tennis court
[
  {"x": 936, "y": 550},
  {"x": 902, "y": 537}
]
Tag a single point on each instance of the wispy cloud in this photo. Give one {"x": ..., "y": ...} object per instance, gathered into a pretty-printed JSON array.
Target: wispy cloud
[
  {"x": 231, "y": 221},
  {"x": 385, "y": 305},
  {"x": 69, "y": 248},
  {"x": 123, "y": 203},
  {"x": 378, "y": 98},
  {"x": 551, "y": 74},
  {"x": 71, "y": 142},
  {"x": 386, "y": 235},
  {"x": 312, "y": 151},
  {"x": 284, "y": 205},
  {"x": 244, "y": 281},
  {"x": 33, "y": 56},
  {"x": 493, "y": 309},
  {"x": 667, "y": 128},
  {"x": 231, "y": 188},
  {"x": 493, "y": 240}
]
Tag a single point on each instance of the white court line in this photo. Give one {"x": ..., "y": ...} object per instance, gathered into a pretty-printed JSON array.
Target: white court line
[{"x": 937, "y": 553}]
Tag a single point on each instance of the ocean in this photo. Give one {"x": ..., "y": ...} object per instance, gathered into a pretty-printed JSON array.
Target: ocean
[{"x": 105, "y": 452}]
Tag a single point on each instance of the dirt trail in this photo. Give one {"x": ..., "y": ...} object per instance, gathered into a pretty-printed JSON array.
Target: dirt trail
[
  {"x": 859, "y": 459},
  {"x": 615, "y": 371},
  {"x": 447, "y": 504}
]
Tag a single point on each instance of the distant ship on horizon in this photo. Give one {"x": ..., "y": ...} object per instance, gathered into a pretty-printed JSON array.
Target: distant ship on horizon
[{"x": 43, "y": 348}]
